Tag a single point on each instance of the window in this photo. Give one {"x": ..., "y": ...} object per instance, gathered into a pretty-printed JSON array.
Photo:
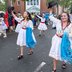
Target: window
[
  {"x": 28, "y": 2},
  {"x": 33, "y": 2},
  {"x": 18, "y": 2},
  {"x": 37, "y": 2}
]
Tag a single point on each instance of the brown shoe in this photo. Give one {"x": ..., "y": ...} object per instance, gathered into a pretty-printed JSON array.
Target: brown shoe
[{"x": 30, "y": 53}]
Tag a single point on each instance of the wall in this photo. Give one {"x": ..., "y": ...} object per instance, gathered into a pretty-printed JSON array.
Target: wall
[{"x": 19, "y": 8}]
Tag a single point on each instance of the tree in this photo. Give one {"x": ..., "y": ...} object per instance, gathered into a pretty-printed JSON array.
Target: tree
[
  {"x": 3, "y": 5},
  {"x": 71, "y": 9},
  {"x": 22, "y": 0},
  {"x": 66, "y": 4}
]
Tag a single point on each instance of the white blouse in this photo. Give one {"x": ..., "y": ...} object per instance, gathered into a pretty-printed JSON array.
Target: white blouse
[
  {"x": 24, "y": 24},
  {"x": 42, "y": 19},
  {"x": 58, "y": 24},
  {"x": 2, "y": 20}
]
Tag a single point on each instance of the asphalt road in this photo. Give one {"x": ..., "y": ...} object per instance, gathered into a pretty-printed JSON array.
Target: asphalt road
[{"x": 38, "y": 62}]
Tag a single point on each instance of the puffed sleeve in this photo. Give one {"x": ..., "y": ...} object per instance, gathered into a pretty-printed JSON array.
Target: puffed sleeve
[
  {"x": 39, "y": 16},
  {"x": 70, "y": 31},
  {"x": 53, "y": 19},
  {"x": 18, "y": 19},
  {"x": 30, "y": 24},
  {"x": 70, "y": 28}
]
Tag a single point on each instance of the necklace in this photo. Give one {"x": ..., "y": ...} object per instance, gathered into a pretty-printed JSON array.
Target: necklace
[{"x": 63, "y": 28}]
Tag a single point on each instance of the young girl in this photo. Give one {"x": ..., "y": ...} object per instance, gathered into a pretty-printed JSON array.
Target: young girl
[
  {"x": 24, "y": 36},
  {"x": 62, "y": 26},
  {"x": 3, "y": 27},
  {"x": 42, "y": 26}
]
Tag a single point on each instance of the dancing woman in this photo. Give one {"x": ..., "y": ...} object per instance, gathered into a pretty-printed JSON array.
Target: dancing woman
[
  {"x": 42, "y": 26},
  {"x": 25, "y": 37},
  {"x": 62, "y": 26}
]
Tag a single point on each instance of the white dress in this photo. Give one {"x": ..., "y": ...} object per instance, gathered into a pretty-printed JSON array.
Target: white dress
[
  {"x": 21, "y": 39},
  {"x": 19, "y": 26},
  {"x": 53, "y": 25},
  {"x": 56, "y": 41},
  {"x": 71, "y": 17},
  {"x": 70, "y": 34},
  {"x": 3, "y": 26},
  {"x": 42, "y": 25}
]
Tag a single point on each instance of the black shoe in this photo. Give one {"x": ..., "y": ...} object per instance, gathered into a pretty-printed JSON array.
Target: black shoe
[
  {"x": 53, "y": 70},
  {"x": 54, "y": 28},
  {"x": 30, "y": 53},
  {"x": 20, "y": 57},
  {"x": 39, "y": 34},
  {"x": 64, "y": 66}
]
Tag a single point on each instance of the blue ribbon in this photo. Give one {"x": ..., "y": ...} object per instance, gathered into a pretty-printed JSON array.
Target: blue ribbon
[
  {"x": 30, "y": 43},
  {"x": 66, "y": 52}
]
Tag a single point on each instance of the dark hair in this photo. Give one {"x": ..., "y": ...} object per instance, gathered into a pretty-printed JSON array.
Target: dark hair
[
  {"x": 68, "y": 17},
  {"x": 10, "y": 9},
  {"x": 1, "y": 15},
  {"x": 59, "y": 17},
  {"x": 14, "y": 12},
  {"x": 29, "y": 16}
]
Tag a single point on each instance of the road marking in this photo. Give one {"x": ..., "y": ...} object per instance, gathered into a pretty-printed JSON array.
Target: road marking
[{"x": 39, "y": 67}]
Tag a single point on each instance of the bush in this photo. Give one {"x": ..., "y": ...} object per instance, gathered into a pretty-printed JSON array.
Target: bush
[{"x": 2, "y": 7}]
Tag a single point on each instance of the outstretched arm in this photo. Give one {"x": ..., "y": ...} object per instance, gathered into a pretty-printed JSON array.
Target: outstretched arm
[
  {"x": 52, "y": 18},
  {"x": 39, "y": 16},
  {"x": 15, "y": 17}
]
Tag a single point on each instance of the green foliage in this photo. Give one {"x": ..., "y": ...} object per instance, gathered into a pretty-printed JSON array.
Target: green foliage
[
  {"x": 22, "y": 0},
  {"x": 2, "y": 6},
  {"x": 25, "y": 0},
  {"x": 64, "y": 3},
  {"x": 70, "y": 9},
  {"x": 13, "y": 0}
]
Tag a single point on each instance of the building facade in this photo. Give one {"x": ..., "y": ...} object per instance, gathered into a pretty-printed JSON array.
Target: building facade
[
  {"x": 40, "y": 5},
  {"x": 43, "y": 6},
  {"x": 33, "y": 6},
  {"x": 21, "y": 6}
]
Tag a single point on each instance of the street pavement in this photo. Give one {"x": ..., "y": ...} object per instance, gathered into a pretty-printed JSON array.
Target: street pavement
[{"x": 38, "y": 62}]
